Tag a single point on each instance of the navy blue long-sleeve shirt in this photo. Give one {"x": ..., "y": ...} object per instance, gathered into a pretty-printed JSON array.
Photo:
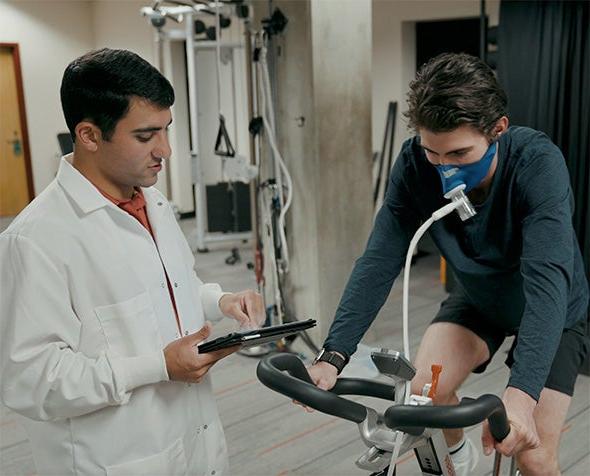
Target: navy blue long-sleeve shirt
[{"x": 517, "y": 259}]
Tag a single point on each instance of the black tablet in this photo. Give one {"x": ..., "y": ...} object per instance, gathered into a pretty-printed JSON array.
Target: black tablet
[{"x": 256, "y": 337}]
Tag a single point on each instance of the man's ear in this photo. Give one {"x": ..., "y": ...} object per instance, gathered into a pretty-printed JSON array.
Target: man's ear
[
  {"x": 501, "y": 126},
  {"x": 88, "y": 136}
]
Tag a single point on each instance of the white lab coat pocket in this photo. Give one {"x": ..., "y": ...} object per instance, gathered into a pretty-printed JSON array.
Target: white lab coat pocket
[
  {"x": 129, "y": 327},
  {"x": 170, "y": 462}
]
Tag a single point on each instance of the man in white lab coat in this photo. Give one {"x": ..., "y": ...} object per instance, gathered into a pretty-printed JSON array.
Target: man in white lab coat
[{"x": 101, "y": 309}]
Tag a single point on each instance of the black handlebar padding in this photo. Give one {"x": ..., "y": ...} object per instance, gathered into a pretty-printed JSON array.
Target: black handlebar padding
[
  {"x": 367, "y": 388},
  {"x": 468, "y": 412},
  {"x": 297, "y": 384}
]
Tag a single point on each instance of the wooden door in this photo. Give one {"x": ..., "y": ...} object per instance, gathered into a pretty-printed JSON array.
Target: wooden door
[{"x": 15, "y": 179}]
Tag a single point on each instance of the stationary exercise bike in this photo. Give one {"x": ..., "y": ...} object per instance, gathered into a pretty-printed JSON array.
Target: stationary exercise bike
[
  {"x": 411, "y": 422},
  {"x": 402, "y": 427}
]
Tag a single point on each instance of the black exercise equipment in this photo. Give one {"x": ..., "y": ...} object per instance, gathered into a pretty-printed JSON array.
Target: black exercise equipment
[{"x": 223, "y": 145}]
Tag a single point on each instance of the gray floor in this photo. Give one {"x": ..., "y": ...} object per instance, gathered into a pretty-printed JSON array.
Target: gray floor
[{"x": 268, "y": 435}]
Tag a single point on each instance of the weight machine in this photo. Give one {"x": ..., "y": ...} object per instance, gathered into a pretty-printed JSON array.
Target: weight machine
[
  {"x": 189, "y": 14},
  {"x": 272, "y": 195}
]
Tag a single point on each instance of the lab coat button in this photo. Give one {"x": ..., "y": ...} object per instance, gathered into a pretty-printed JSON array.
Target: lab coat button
[
  {"x": 175, "y": 285},
  {"x": 163, "y": 285},
  {"x": 213, "y": 472},
  {"x": 159, "y": 204},
  {"x": 205, "y": 427}
]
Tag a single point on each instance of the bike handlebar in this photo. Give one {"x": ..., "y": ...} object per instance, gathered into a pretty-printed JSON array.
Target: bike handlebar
[
  {"x": 297, "y": 384},
  {"x": 468, "y": 412}
]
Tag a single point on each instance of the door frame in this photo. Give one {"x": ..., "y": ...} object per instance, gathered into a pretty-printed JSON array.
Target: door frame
[{"x": 22, "y": 115}]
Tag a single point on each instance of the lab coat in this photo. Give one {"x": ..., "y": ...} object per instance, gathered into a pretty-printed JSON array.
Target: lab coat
[{"x": 85, "y": 316}]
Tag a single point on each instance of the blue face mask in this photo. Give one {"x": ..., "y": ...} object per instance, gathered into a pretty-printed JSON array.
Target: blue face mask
[{"x": 469, "y": 175}]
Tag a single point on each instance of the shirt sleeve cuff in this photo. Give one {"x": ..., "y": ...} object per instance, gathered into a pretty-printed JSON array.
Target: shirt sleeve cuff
[
  {"x": 211, "y": 293},
  {"x": 140, "y": 370},
  {"x": 532, "y": 392}
]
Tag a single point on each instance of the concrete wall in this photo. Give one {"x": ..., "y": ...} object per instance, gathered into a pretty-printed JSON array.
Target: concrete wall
[
  {"x": 342, "y": 85},
  {"x": 299, "y": 147},
  {"x": 323, "y": 75}
]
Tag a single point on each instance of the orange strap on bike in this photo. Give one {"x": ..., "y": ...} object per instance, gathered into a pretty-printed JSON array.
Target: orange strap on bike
[{"x": 436, "y": 370}]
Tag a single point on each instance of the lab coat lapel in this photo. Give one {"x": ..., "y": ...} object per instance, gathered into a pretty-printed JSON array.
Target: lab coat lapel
[
  {"x": 156, "y": 207},
  {"x": 90, "y": 201},
  {"x": 85, "y": 195},
  {"x": 171, "y": 244},
  {"x": 166, "y": 231}
]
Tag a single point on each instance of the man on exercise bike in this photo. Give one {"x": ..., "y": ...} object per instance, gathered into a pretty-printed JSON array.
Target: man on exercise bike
[{"x": 517, "y": 262}]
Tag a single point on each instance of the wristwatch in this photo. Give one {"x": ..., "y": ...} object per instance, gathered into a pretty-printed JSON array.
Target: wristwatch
[{"x": 332, "y": 358}]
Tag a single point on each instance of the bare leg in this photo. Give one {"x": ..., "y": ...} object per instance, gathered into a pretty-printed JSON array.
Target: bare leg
[
  {"x": 459, "y": 351},
  {"x": 549, "y": 416}
]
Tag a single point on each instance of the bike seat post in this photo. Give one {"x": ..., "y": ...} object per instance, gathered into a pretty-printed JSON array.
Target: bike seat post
[
  {"x": 497, "y": 464},
  {"x": 497, "y": 471}
]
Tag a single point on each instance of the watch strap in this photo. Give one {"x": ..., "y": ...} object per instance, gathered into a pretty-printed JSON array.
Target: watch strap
[{"x": 332, "y": 358}]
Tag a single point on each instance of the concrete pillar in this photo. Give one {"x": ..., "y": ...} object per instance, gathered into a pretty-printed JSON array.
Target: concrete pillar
[{"x": 324, "y": 125}]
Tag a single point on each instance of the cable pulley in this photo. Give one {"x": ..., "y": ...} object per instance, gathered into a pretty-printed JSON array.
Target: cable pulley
[{"x": 223, "y": 145}]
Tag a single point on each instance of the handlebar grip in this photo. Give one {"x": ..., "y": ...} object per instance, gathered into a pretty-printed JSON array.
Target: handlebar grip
[
  {"x": 497, "y": 419},
  {"x": 499, "y": 424},
  {"x": 297, "y": 384},
  {"x": 366, "y": 388},
  {"x": 469, "y": 412}
]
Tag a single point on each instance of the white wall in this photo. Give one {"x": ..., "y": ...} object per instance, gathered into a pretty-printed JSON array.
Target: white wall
[
  {"x": 118, "y": 24},
  {"x": 50, "y": 35},
  {"x": 394, "y": 51}
]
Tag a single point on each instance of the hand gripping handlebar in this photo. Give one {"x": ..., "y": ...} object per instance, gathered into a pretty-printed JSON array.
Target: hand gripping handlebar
[
  {"x": 468, "y": 412},
  {"x": 286, "y": 374},
  {"x": 298, "y": 385}
]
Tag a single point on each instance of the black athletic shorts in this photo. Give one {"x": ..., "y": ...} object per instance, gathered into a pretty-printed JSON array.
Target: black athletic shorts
[{"x": 571, "y": 352}]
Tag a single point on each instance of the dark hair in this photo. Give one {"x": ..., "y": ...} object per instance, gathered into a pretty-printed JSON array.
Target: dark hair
[
  {"x": 98, "y": 86},
  {"x": 455, "y": 89}
]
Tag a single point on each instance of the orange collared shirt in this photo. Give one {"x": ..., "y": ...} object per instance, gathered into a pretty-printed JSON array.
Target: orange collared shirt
[{"x": 135, "y": 206}]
